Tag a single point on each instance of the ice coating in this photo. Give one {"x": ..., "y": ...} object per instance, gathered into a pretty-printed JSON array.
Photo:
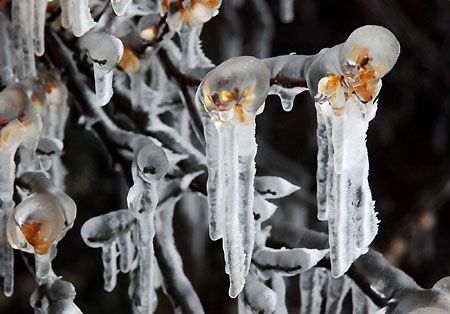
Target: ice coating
[
  {"x": 231, "y": 95},
  {"x": 150, "y": 164},
  {"x": 345, "y": 104},
  {"x": 112, "y": 232},
  {"x": 105, "y": 51},
  {"x": 79, "y": 15}
]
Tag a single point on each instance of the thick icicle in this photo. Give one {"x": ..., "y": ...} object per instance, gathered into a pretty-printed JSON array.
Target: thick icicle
[
  {"x": 287, "y": 95},
  {"x": 232, "y": 94},
  {"x": 40, "y": 7},
  {"x": 149, "y": 166},
  {"x": 120, "y": 6},
  {"x": 66, "y": 13},
  {"x": 22, "y": 13},
  {"x": 279, "y": 286},
  {"x": 6, "y": 53},
  {"x": 345, "y": 106},
  {"x": 82, "y": 20},
  {"x": 105, "y": 51}
]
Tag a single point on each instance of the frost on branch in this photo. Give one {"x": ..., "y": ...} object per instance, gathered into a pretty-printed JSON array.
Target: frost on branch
[
  {"x": 345, "y": 103},
  {"x": 105, "y": 51},
  {"x": 231, "y": 95}
]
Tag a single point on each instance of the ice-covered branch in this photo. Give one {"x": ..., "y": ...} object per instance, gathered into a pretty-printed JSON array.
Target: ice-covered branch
[{"x": 175, "y": 283}]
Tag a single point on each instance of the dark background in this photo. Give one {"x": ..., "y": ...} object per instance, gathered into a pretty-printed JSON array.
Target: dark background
[{"x": 408, "y": 144}]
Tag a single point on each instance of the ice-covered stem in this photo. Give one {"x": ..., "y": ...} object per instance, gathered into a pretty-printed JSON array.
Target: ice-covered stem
[
  {"x": 376, "y": 277},
  {"x": 230, "y": 97},
  {"x": 176, "y": 285},
  {"x": 105, "y": 51},
  {"x": 150, "y": 164}
]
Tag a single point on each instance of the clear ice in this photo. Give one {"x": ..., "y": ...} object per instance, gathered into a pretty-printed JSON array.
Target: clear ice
[
  {"x": 105, "y": 51},
  {"x": 230, "y": 96}
]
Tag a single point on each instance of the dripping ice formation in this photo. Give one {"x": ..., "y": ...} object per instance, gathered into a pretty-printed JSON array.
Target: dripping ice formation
[
  {"x": 230, "y": 97},
  {"x": 76, "y": 14},
  {"x": 345, "y": 103},
  {"x": 14, "y": 103},
  {"x": 149, "y": 166},
  {"x": 105, "y": 51}
]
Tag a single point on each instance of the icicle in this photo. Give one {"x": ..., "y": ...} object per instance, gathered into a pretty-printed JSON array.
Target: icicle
[
  {"x": 105, "y": 51},
  {"x": 287, "y": 95},
  {"x": 109, "y": 232},
  {"x": 193, "y": 56},
  {"x": 82, "y": 20},
  {"x": 66, "y": 13},
  {"x": 40, "y": 7},
  {"x": 345, "y": 105},
  {"x": 312, "y": 285},
  {"x": 232, "y": 94},
  {"x": 22, "y": 16},
  {"x": 120, "y": 6},
  {"x": 6, "y": 53},
  {"x": 149, "y": 166},
  {"x": 286, "y": 11}
]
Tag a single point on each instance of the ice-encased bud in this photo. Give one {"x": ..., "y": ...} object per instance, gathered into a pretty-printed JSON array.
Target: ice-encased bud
[
  {"x": 375, "y": 43},
  {"x": 19, "y": 119},
  {"x": 38, "y": 222},
  {"x": 103, "y": 49},
  {"x": 236, "y": 89},
  {"x": 100, "y": 230},
  {"x": 148, "y": 26},
  {"x": 152, "y": 162}
]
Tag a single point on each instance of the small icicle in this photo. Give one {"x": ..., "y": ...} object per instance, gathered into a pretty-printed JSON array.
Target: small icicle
[
  {"x": 66, "y": 13},
  {"x": 40, "y": 6},
  {"x": 126, "y": 251},
  {"x": 82, "y": 20},
  {"x": 286, "y": 11},
  {"x": 287, "y": 95},
  {"x": 109, "y": 258},
  {"x": 322, "y": 165},
  {"x": 7, "y": 52},
  {"x": 103, "y": 85},
  {"x": 120, "y": 6},
  {"x": 279, "y": 286},
  {"x": 337, "y": 291}
]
